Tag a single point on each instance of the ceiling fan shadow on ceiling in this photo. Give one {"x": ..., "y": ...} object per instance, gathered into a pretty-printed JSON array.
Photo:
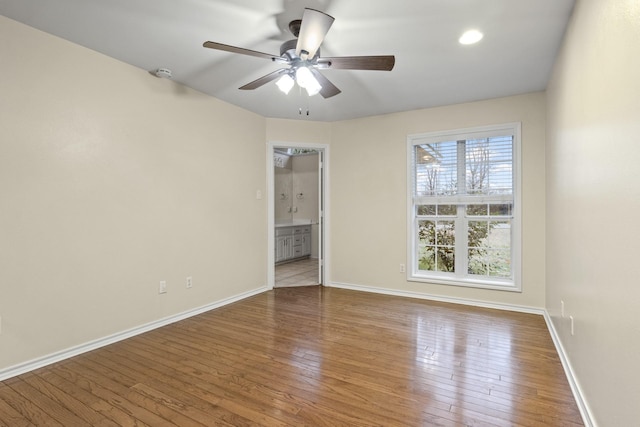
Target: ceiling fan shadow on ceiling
[{"x": 302, "y": 56}]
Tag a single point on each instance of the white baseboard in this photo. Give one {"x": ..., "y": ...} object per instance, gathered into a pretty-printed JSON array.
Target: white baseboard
[
  {"x": 31, "y": 365},
  {"x": 585, "y": 412},
  {"x": 583, "y": 406},
  {"x": 453, "y": 300}
]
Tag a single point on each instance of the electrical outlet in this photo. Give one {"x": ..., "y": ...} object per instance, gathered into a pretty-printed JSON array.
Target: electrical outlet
[
  {"x": 189, "y": 282},
  {"x": 562, "y": 308},
  {"x": 572, "y": 330},
  {"x": 162, "y": 289},
  {"x": 402, "y": 268}
]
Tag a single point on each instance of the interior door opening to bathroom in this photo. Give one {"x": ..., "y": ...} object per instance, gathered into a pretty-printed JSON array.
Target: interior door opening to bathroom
[{"x": 297, "y": 217}]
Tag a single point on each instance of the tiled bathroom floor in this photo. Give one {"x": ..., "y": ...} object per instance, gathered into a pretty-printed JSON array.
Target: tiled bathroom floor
[{"x": 297, "y": 273}]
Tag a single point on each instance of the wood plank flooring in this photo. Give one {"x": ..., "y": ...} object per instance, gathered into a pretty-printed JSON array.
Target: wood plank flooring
[{"x": 310, "y": 356}]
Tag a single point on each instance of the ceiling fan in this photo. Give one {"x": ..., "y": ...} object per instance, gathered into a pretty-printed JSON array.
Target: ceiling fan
[{"x": 302, "y": 55}]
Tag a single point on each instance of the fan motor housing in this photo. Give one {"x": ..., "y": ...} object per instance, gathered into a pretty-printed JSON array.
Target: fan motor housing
[
  {"x": 288, "y": 46},
  {"x": 288, "y": 49}
]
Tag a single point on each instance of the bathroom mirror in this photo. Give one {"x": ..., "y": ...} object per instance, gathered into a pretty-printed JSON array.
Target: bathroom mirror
[{"x": 283, "y": 186}]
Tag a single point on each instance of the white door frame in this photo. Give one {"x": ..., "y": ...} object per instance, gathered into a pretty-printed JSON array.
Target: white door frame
[{"x": 323, "y": 247}]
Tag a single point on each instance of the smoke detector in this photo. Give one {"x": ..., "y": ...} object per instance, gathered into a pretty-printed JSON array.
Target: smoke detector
[{"x": 163, "y": 73}]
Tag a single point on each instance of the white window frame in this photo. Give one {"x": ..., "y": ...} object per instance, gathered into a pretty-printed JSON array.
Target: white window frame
[{"x": 461, "y": 278}]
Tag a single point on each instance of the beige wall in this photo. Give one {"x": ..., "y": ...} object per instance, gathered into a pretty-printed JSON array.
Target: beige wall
[
  {"x": 593, "y": 200},
  {"x": 298, "y": 131},
  {"x": 110, "y": 181},
  {"x": 369, "y": 196}
]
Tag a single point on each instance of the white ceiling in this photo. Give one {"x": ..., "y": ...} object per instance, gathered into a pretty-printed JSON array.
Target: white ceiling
[{"x": 521, "y": 41}]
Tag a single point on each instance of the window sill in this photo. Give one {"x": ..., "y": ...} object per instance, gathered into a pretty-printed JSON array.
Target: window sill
[{"x": 481, "y": 284}]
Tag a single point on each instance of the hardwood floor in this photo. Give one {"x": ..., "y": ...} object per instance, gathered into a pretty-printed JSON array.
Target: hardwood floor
[{"x": 310, "y": 356}]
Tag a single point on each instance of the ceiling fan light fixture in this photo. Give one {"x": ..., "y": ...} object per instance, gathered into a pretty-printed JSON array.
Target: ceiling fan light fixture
[
  {"x": 313, "y": 87},
  {"x": 305, "y": 78},
  {"x": 285, "y": 83},
  {"x": 301, "y": 59}
]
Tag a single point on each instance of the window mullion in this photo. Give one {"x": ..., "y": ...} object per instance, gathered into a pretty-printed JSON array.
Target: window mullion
[
  {"x": 461, "y": 242},
  {"x": 461, "y": 234},
  {"x": 461, "y": 168},
  {"x": 451, "y": 176}
]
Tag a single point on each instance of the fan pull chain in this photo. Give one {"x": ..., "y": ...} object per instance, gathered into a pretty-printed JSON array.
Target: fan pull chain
[{"x": 302, "y": 96}]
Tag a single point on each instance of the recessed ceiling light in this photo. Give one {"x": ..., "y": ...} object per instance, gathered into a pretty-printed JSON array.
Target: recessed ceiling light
[{"x": 471, "y": 37}]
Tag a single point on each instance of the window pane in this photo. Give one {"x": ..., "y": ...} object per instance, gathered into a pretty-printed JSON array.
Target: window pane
[
  {"x": 445, "y": 233},
  {"x": 489, "y": 165},
  {"x": 477, "y": 262},
  {"x": 435, "y": 169},
  {"x": 500, "y": 265},
  {"x": 447, "y": 209},
  {"x": 426, "y": 259},
  {"x": 476, "y": 210},
  {"x": 477, "y": 233},
  {"x": 445, "y": 240},
  {"x": 490, "y": 248},
  {"x": 427, "y": 232},
  {"x": 500, "y": 210},
  {"x": 426, "y": 210},
  {"x": 445, "y": 260},
  {"x": 490, "y": 262},
  {"x": 436, "y": 245},
  {"x": 492, "y": 234},
  {"x": 499, "y": 234}
]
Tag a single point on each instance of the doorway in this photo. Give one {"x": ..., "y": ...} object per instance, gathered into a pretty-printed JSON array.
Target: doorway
[{"x": 297, "y": 177}]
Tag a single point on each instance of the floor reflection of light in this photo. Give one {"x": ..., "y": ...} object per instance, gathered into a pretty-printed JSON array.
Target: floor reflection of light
[
  {"x": 486, "y": 360},
  {"x": 469, "y": 361},
  {"x": 432, "y": 350}
]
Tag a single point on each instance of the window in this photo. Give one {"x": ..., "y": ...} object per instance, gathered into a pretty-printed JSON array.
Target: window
[{"x": 463, "y": 206}]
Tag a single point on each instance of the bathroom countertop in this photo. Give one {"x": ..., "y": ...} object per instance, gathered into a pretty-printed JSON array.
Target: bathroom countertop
[{"x": 293, "y": 223}]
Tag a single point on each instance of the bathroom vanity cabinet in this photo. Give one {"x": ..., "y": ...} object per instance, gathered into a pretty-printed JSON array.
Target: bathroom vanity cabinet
[{"x": 292, "y": 242}]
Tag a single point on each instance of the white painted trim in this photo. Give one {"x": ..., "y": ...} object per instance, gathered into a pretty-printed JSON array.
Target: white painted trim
[
  {"x": 271, "y": 145},
  {"x": 271, "y": 258},
  {"x": 452, "y": 300},
  {"x": 40, "y": 362},
  {"x": 460, "y": 279},
  {"x": 583, "y": 406}
]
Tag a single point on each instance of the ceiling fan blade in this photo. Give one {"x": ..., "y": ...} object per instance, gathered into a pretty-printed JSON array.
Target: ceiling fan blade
[
  {"x": 265, "y": 79},
  {"x": 328, "y": 89},
  {"x": 381, "y": 63},
  {"x": 243, "y": 51},
  {"x": 314, "y": 27}
]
